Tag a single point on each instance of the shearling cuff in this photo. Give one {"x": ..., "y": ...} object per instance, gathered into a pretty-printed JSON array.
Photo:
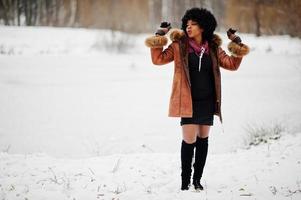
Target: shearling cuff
[
  {"x": 238, "y": 50},
  {"x": 156, "y": 41}
]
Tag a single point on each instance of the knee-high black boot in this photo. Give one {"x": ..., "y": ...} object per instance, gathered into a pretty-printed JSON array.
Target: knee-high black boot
[
  {"x": 201, "y": 149},
  {"x": 187, "y": 151}
]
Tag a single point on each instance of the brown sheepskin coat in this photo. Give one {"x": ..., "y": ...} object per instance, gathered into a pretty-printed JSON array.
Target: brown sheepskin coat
[{"x": 180, "y": 104}]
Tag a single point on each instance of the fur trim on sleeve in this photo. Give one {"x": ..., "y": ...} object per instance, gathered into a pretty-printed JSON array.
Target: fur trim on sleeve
[
  {"x": 176, "y": 34},
  {"x": 156, "y": 41},
  {"x": 238, "y": 50}
]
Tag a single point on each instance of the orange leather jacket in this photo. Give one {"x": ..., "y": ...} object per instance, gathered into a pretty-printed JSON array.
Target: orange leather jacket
[{"x": 180, "y": 104}]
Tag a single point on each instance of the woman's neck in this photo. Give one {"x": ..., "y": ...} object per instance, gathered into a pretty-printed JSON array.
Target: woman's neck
[{"x": 198, "y": 39}]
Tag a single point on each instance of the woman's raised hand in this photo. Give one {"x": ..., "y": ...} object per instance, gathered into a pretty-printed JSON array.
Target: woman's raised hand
[
  {"x": 231, "y": 35},
  {"x": 164, "y": 28}
]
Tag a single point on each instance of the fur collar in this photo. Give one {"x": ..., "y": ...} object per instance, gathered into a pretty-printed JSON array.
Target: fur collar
[{"x": 176, "y": 34}]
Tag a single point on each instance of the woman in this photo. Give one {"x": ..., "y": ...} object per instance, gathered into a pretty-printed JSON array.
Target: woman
[{"x": 196, "y": 89}]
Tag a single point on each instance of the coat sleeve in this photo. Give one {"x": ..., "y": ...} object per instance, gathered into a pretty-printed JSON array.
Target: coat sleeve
[
  {"x": 232, "y": 62},
  {"x": 160, "y": 56},
  {"x": 228, "y": 62}
]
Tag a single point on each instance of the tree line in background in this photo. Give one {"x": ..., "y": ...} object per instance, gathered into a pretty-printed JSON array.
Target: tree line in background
[
  {"x": 136, "y": 16},
  {"x": 265, "y": 16},
  {"x": 40, "y": 12}
]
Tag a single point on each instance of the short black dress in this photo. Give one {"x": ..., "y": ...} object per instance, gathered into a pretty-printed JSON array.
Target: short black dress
[{"x": 202, "y": 90}]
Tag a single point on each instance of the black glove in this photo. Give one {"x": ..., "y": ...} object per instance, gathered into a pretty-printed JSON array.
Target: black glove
[
  {"x": 231, "y": 35},
  {"x": 164, "y": 28}
]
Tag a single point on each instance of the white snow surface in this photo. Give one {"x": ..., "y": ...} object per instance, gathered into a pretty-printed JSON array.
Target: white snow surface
[
  {"x": 269, "y": 171},
  {"x": 78, "y": 120}
]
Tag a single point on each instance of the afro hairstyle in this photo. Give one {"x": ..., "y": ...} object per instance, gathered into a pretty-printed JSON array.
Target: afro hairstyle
[{"x": 204, "y": 19}]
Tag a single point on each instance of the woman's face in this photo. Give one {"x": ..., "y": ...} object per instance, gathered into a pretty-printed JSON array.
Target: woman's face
[{"x": 193, "y": 29}]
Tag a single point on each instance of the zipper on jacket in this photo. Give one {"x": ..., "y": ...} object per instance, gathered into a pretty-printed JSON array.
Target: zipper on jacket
[{"x": 200, "y": 58}]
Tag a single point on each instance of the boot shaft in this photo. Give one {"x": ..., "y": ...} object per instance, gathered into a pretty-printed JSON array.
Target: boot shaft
[
  {"x": 200, "y": 157},
  {"x": 187, "y": 152}
]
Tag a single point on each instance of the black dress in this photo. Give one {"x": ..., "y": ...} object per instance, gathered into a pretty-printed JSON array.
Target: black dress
[{"x": 202, "y": 90}]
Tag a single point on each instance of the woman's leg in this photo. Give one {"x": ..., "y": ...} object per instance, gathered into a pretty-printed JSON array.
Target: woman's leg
[
  {"x": 187, "y": 149},
  {"x": 203, "y": 131},
  {"x": 200, "y": 154},
  {"x": 189, "y": 132}
]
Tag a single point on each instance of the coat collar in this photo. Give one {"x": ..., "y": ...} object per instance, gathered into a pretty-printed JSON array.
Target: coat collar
[{"x": 178, "y": 34}]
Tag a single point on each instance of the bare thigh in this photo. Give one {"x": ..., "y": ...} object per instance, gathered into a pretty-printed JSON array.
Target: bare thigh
[
  {"x": 203, "y": 131},
  {"x": 190, "y": 132}
]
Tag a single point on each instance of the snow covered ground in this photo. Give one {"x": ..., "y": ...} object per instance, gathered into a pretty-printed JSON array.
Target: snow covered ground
[
  {"x": 269, "y": 171},
  {"x": 80, "y": 120}
]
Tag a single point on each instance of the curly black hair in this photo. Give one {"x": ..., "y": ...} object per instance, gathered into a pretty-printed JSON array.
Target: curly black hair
[{"x": 204, "y": 18}]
